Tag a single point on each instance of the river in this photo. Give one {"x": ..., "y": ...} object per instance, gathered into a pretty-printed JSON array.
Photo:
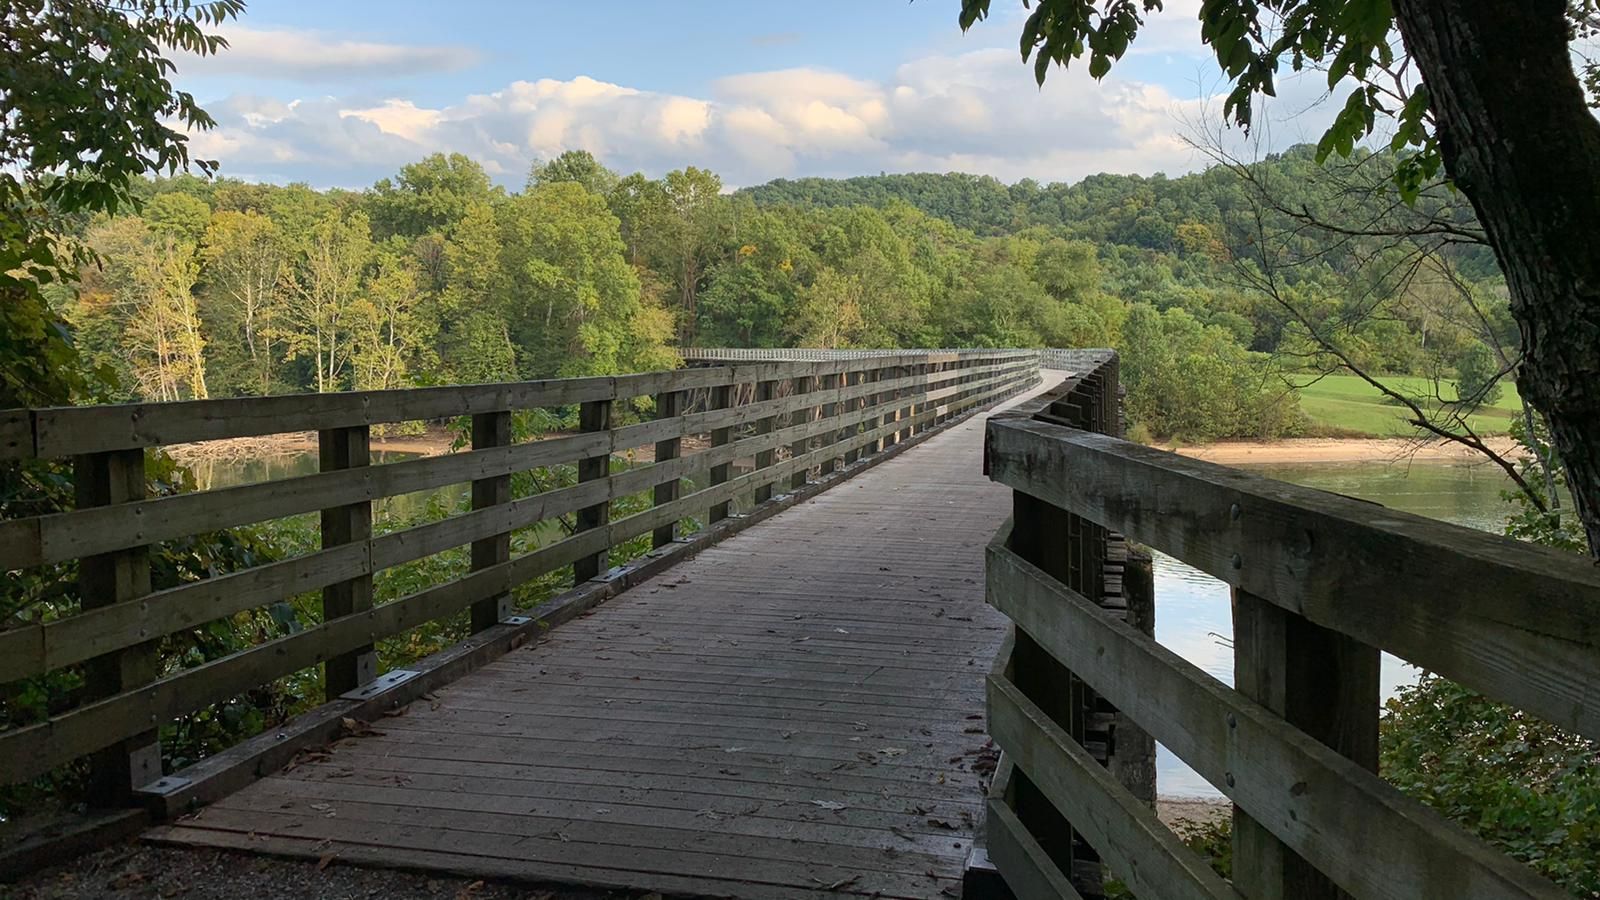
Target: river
[{"x": 1193, "y": 612}]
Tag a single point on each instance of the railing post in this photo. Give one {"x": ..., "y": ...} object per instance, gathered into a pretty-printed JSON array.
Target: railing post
[
  {"x": 848, "y": 409},
  {"x": 876, "y": 444},
  {"x": 800, "y": 416},
  {"x": 829, "y": 410},
  {"x": 1323, "y": 683},
  {"x": 347, "y": 448},
  {"x": 721, "y": 398},
  {"x": 668, "y": 405},
  {"x": 123, "y": 576},
  {"x": 765, "y": 390},
  {"x": 593, "y": 416},
  {"x": 491, "y": 429}
]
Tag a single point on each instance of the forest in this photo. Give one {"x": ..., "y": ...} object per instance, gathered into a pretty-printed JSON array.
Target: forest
[{"x": 1225, "y": 305}]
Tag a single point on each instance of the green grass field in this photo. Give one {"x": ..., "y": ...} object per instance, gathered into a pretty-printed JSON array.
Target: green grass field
[{"x": 1345, "y": 403}]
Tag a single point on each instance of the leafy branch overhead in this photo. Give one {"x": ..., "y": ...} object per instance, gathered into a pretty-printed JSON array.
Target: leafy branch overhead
[{"x": 1351, "y": 40}]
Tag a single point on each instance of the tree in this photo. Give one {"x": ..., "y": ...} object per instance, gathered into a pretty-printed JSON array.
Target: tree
[
  {"x": 385, "y": 327},
  {"x": 246, "y": 263},
  {"x": 431, "y": 195},
  {"x": 578, "y": 166},
  {"x": 575, "y": 305},
  {"x": 1490, "y": 70},
  {"x": 327, "y": 283},
  {"x": 829, "y": 312},
  {"x": 87, "y": 105}
]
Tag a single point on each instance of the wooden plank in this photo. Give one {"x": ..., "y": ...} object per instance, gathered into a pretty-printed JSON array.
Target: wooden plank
[
  {"x": 132, "y": 758},
  {"x": 1321, "y": 682},
  {"x": 65, "y": 431},
  {"x": 1027, "y": 868},
  {"x": 1364, "y": 834},
  {"x": 765, "y": 390},
  {"x": 16, "y": 434},
  {"x": 68, "y": 535},
  {"x": 1142, "y": 852},
  {"x": 1526, "y": 632},
  {"x": 40, "y": 647},
  {"x": 721, "y": 398},
  {"x": 800, "y": 415},
  {"x": 669, "y": 405},
  {"x": 491, "y": 429},
  {"x": 593, "y": 416},
  {"x": 341, "y": 449}
]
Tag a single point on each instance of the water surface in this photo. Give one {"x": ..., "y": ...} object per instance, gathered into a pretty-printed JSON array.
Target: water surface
[{"x": 1193, "y": 612}]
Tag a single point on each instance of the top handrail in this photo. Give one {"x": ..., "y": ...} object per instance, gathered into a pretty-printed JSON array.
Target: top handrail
[{"x": 62, "y": 431}]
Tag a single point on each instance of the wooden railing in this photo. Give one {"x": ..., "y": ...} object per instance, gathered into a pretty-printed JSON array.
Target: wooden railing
[
  {"x": 1321, "y": 583},
  {"x": 788, "y": 418}
]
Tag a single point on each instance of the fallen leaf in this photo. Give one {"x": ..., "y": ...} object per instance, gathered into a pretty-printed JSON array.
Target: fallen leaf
[
  {"x": 325, "y": 860},
  {"x": 828, "y": 804}
]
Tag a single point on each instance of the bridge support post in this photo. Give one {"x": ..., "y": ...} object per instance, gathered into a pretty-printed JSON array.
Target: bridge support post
[
  {"x": 593, "y": 415},
  {"x": 669, "y": 404},
  {"x": 765, "y": 390},
  {"x": 1322, "y": 682},
  {"x": 123, "y": 576},
  {"x": 802, "y": 385},
  {"x": 491, "y": 429},
  {"x": 721, "y": 398},
  {"x": 347, "y": 448}
]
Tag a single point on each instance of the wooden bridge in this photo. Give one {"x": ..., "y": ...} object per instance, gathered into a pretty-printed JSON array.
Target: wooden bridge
[{"x": 775, "y": 673}]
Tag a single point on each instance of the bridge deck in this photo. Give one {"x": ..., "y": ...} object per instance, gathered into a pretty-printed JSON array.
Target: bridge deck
[{"x": 795, "y": 712}]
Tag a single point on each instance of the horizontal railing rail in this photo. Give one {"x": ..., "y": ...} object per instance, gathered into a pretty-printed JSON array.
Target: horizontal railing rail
[
  {"x": 786, "y": 419},
  {"x": 1321, "y": 584}
]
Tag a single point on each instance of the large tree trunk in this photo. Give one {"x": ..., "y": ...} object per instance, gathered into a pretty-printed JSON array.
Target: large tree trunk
[{"x": 1519, "y": 141}]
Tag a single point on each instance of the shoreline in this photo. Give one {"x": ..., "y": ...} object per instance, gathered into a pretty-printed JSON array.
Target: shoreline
[{"x": 1341, "y": 450}]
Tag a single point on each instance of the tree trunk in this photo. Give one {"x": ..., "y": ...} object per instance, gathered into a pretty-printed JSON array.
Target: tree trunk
[{"x": 1519, "y": 141}]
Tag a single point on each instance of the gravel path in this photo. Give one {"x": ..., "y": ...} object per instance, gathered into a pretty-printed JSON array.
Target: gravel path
[{"x": 132, "y": 871}]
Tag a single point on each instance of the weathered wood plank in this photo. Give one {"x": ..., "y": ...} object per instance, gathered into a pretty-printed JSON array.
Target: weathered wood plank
[
  {"x": 1363, "y": 833},
  {"x": 1029, "y": 871},
  {"x": 1525, "y": 631},
  {"x": 491, "y": 429},
  {"x": 122, "y": 578},
  {"x": 1141, "y": 851},
  {"x": 68, "y": 535},
  {"x": 343, "y": 449}
]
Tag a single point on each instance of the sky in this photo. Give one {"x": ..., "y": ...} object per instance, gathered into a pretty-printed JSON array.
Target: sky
[{"x": 341, "y": 93}]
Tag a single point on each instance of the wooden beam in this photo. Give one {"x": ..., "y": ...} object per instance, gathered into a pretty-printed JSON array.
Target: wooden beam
[
  {"x": 1522, "y": 629},
  {"x": 349, "y": 523},
  {"x": 492, "y": 429},
  {"x": 116, "y": 578},
  {"x": 1363, "y": 833},
  {"x": 669, "y": 405},
  {"x": 593, "y": 417},
  {"x": 721, "y": 398}
]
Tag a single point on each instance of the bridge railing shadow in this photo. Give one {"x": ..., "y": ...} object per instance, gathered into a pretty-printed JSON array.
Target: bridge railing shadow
[
  {"x": 702, "y": 438},
  {"x": 1321, "y": 584}
]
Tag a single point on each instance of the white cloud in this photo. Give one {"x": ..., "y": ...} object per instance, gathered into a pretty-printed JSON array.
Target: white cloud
[
  {"x": 299, "y": 55},
  {"x": 976, "y": 112}
]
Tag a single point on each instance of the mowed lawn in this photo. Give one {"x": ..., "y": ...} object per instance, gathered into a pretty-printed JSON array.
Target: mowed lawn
[{"x": 1349, "y": 404}]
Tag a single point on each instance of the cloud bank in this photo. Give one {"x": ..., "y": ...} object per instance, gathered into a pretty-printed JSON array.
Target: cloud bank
[{"x": 975, "y": 112}]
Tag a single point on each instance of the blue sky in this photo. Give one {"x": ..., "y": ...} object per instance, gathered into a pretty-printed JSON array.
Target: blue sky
[{"x": 343, "y": 93}]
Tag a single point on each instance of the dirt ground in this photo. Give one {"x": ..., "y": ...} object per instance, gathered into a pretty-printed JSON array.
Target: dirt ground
[
  {"x": 133, "y": 871},
  {"x": 1320, "y": 450}
]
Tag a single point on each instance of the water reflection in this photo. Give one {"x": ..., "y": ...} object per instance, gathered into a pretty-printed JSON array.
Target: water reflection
[{"x": 1193, "y": 610}]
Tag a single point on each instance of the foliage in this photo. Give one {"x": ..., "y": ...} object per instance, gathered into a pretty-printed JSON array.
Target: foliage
[
  {"x": 71, "y": 145},
  {"x": 1519, "y": 783}
]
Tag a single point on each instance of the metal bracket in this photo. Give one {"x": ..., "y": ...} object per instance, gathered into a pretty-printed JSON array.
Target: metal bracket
[
  {"x": 515, "y": 620},
  {"x": 379, "y": 685},
  {"x": 165, "y": 787}
]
